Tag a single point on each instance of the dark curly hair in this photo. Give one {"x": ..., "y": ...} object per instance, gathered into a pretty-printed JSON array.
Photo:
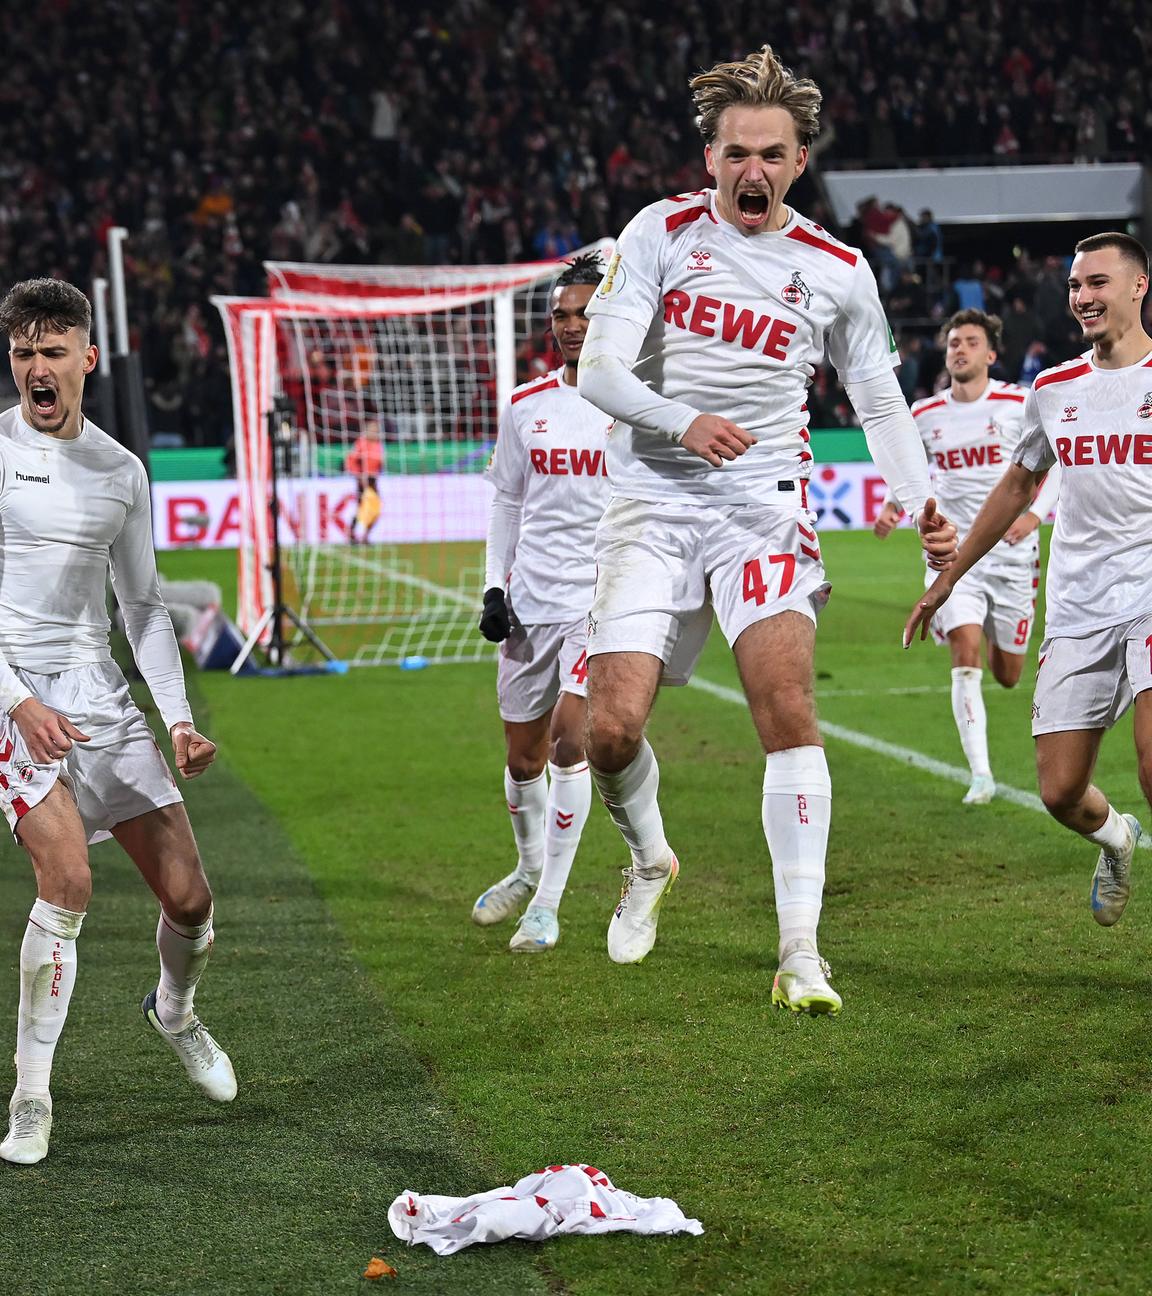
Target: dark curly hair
[
  {"x": 38, "y": 306},
  {"x": 584, "y": 269}
]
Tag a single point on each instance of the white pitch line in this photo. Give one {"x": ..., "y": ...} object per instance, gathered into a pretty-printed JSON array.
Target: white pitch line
[
  {"x": 406, "y": 578},
  {"x": 905, "y": 755}
]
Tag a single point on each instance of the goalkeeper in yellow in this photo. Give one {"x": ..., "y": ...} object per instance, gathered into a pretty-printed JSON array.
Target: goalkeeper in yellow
[{"x": 365, "y": 462}]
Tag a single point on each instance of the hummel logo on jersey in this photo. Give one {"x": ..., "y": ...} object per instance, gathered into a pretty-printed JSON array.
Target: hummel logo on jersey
[
  {"x": 1145, "y": 410},
  {"x": 28, "y": 477},
  {"x": 1069, "y": 413},
  {"x": 797, "y": 291},
  {"x": 700, "y": 261},
  {"x": 993, "y": 428},
  {"x": 541, "y": 425}
]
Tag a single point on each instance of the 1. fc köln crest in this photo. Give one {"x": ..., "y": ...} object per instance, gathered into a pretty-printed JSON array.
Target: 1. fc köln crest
[{"x": 797, "y": 291}]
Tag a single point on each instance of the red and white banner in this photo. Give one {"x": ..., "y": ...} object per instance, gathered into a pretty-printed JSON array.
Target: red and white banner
[{"x": 422, "y": 509}]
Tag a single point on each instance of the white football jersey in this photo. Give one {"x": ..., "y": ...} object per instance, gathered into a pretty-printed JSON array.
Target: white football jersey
[
  {"x": 551, "y": 454},
  {"x": 969, "y": 445},
  {"x": 736, "y": 327},
  {"x": 1097, "y": 424},
  {"x": 71, "y": 512}
]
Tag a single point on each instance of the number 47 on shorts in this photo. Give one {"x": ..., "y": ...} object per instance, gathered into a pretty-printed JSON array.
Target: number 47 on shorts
[{"x": 756, "y": 588}]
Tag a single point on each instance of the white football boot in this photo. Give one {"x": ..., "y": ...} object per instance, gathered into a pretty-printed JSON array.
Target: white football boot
[
  {"x": 537, "y": 931},
  {"x": 632, "y": 931},
  {"x": 502, "y": 899},
  {"x": 1112, "y": 881},
  {"x": 29, "y": 1125},
  {"x": 208, "y": 1066},
  {"x": 801, "y": 983},
  {"x": 982, "y": 790}
]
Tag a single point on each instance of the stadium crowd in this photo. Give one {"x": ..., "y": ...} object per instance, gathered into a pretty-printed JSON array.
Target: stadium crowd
[{"x": 472, "y": 131}]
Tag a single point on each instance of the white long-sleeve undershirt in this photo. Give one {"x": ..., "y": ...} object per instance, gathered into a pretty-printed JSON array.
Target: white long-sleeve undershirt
[
  {"x": 504, "y": 514},
  {"x": 605, "y": 378},
  {"x": 893, "y": 441},
  {"x": 73, "y": 512}
]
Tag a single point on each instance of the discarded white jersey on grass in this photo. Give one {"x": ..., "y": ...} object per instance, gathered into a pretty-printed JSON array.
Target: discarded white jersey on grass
[{"x": 557, "y": 1200}]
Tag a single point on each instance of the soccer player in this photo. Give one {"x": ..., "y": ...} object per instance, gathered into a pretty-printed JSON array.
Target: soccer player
[
  {"x": 365, "y": 461},
  {"x": 730, "y": 298},
  {"x": 551, "y": 483},
  {"x": 969, "y": 431},
  {"x": 77, "y": 759},
  {"x": 1093, "y": 417}
]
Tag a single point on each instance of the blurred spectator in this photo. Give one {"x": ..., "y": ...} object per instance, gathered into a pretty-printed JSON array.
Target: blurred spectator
[
  {"x": 1035, "y": 359},
  {"x": 927, "y": 238},
  {"x": 1021, "y": 328}
]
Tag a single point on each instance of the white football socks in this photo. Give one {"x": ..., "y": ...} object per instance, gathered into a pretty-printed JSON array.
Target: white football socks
[
  {"x": 971, "y": 718},
  {"x": 569, "y": 800},
  {"x": 47, "y": 975},
  {"x": 184, "y": 953},
  {"x": 527, "y": 803},
  {"x": 1112, "y": 833},
  {"x": 797, "y": 811},
  {"x": 630, "y": 798}
]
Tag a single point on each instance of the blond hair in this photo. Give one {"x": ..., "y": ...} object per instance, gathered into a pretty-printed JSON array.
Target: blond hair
[{"x": 759, "y": 81}]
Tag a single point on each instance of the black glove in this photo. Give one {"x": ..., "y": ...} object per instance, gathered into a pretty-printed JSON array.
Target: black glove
[{"x": 495, "y": 624}]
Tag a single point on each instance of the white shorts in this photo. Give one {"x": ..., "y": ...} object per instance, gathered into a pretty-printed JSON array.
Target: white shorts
[
  {"x": 663, "y": 568},
  {"x": 537, "y": 664},
  {"x": 1090, "y": 681},
  {"x": 1002, "y": 603},
  {"x": 117, "y": 775}
]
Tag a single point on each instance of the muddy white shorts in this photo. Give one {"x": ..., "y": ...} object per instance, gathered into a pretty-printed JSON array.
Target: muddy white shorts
[
  {"x": 664, "y": 568},
  {"x": 537, "y": 664},
  {"x": 1001, "y": 602},
  {"x": 1090, "y": 681},
  {"x": 117, "y": 775}
]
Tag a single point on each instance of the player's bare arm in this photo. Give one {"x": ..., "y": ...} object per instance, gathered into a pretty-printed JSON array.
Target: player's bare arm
[
  {"x": 1002, "y": 507},
  {"x": 48, "y": 734},
  {"x": 193, "y": 752},
  {"x": 716, "y": 439}
]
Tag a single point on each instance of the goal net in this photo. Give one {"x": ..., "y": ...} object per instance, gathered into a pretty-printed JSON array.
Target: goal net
[{"x": 385, "y": 384}]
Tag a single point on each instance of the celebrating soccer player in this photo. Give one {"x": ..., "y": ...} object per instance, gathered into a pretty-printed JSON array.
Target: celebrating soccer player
[
  {"x": 77, "y": 758},
  {"x": 969, "y": 431},
  {"x": 730, "y": 299},
  {"x": 551, "y": 487},
  {"x": 1093, "y": 417}
]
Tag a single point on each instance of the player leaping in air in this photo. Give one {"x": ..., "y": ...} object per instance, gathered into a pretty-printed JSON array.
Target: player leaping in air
[
  {"x": 1093, "y": 417},
  {"x": 551, "y": 487},
  {"x": 77, "y": 758},
  {"x": 969, "y": 431},
  {"x": 705, "y": 333}
]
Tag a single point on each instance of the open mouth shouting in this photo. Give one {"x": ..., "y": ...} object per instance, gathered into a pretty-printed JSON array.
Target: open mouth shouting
[
  {"x": 752, "y": 207},
  {"x": 45, "y": 400}
]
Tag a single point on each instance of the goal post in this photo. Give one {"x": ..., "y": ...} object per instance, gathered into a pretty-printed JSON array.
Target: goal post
[{"x": 395, "y": 376}]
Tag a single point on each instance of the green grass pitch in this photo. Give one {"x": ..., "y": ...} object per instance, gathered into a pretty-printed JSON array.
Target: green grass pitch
[{"x": 975, "y": 1122}]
